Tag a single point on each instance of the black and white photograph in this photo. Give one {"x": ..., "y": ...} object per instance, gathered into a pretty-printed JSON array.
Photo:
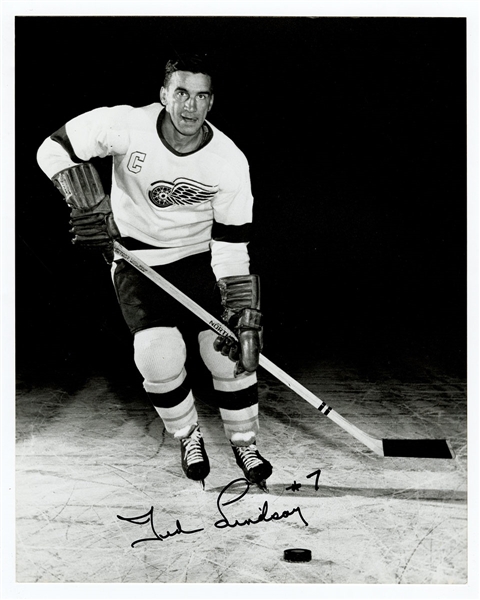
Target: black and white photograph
[{"x": 240, "y": 252}]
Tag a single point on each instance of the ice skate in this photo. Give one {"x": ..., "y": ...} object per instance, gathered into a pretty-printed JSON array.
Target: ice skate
[
  {"x": 255, "y": 468},
  {"x": 195, "y": 463}
]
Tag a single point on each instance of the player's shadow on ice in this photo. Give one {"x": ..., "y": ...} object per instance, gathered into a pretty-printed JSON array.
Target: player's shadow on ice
[{"x": 309, "y": 491}]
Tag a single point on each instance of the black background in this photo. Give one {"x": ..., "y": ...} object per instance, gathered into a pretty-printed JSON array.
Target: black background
[{"x": 355, "y": 131}]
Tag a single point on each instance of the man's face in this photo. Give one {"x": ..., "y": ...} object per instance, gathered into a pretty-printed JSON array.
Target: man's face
[{"x": 187, "y": 99}]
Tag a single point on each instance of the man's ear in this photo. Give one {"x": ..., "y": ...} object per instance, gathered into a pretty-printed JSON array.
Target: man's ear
[
  {"x": 210, "y": 103},
  {"x": 163, "y": 96}
]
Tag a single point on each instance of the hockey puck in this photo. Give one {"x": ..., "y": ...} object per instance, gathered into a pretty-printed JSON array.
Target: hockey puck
[{"x": 297, "y": 555}]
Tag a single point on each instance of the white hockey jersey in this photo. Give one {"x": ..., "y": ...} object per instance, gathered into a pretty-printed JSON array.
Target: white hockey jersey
[{"x": 168, "y": 205}]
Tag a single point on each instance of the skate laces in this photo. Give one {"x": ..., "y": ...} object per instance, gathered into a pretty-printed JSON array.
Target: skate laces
[
  {"x": 249, "y": 456},
  {"x": 193, "y": 447}
]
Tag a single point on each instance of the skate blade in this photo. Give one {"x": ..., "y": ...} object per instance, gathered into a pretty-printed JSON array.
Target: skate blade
[{"x": 263, "y": 486}]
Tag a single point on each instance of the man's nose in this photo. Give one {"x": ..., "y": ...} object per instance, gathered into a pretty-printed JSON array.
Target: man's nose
[{"x": 191, "y": 104}]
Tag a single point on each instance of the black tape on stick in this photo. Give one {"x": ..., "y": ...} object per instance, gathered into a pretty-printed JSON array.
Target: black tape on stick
[{"x": 417, "y": 448}]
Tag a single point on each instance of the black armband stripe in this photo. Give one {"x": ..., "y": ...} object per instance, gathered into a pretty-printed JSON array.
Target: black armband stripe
[
  {"x": 133, "y": 244},
  {"x": 231, "y": 233},
  {"x": 61, "y": 137}
]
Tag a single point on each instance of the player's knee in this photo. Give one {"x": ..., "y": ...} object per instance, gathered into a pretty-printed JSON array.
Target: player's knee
[
  {"x": 220, "y": 366},
  {"x": 159, "y": 353}
]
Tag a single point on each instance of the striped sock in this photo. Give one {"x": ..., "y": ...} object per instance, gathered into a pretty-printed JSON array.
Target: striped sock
[
  {"x": 176, "y": 407},
  {"x": 239, "y": 413}
]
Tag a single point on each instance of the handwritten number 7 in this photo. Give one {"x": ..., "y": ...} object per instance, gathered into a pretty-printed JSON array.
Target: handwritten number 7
[{"x": 317, "y": 473}]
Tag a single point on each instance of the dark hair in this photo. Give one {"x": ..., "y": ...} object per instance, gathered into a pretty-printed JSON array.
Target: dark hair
[{"x": 193, "y": 63}]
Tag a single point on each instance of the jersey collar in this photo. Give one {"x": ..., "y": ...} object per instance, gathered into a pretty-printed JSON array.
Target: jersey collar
[{"x": 207, "y": 136}]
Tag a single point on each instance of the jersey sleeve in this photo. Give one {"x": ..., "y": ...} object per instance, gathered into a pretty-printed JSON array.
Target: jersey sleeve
[
  {"x": 97, "y": 133},
  {"x": 232, "y": 221}
]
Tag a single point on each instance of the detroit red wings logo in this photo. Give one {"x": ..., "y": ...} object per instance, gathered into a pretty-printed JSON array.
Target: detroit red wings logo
[{"x": 181, "y": 192}]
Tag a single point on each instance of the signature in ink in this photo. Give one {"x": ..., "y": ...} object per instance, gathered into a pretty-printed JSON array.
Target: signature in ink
[
  {"x": 263, "y": 517},
  {"x": 148, "y": 518}
]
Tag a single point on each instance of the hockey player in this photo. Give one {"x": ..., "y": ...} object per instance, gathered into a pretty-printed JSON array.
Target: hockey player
[{"x": 181, "y": 201}]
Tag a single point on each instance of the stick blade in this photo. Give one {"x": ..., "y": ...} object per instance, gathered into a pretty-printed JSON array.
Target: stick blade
[{"x": 418, "y": 448}]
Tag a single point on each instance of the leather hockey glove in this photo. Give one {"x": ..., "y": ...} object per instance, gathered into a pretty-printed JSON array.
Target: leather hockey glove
[
  {"x": 91, "y": 215},
  {"x": 240, "y": 298}
]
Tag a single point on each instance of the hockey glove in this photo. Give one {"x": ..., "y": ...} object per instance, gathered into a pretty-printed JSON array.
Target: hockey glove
[
  {"x": 240, "y": 298},
  {"x": 91, "y": 215}
]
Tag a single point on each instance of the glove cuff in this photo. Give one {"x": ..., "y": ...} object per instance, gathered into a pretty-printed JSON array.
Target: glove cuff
[
  {"x": 81, "y": 186},
  {"x": 239, "y": 292}
]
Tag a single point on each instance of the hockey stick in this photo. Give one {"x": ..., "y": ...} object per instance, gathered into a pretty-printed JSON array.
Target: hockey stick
[{"x": 426, "y": 448}]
